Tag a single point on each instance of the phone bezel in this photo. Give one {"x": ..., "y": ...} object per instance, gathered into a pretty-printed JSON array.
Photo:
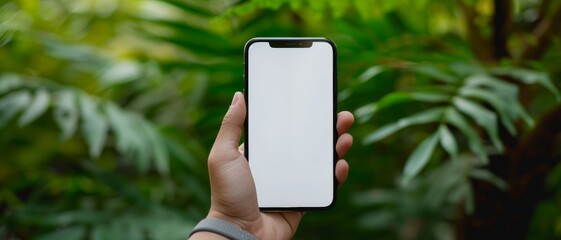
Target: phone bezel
[{"x": 294, "y": 42}]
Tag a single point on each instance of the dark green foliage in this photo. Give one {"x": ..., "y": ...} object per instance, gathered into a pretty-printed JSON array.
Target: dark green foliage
[{"x": 108, "y": 110}]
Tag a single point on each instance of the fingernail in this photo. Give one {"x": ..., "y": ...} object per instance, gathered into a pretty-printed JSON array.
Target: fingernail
[{"x": 236, "y": 99}]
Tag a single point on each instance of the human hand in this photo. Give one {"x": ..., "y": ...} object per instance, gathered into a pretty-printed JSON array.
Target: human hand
[{"x": 233, "y": 195}]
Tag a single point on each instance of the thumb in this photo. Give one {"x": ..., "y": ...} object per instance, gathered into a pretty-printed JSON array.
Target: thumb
[{"x": 226, "y": 144}]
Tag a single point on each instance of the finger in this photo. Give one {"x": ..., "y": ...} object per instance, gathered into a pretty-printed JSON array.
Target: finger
[
  {"x": 344, "y": 143},
  {"x": 226, "y": 143},
  {"x": 341, "y": 171},
  {"x": 345, "y": 120}
]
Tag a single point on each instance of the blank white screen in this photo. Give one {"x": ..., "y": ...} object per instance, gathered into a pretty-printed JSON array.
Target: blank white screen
[{"x": 290, "y": 124}]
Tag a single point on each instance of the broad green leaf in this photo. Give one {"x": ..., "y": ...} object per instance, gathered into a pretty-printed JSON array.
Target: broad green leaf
[
  {"x": 104, "y": 231},
  {"x": 70, "y": 233},
  {"x": 161, "y": 160},
  {"x": 456, "y": 119},
  {"x": 427, "y": 116},
  {"x": 94, "y": 125},
  {"x": 463, "y": 192},
  {"x": 179, "y": 152},
  {"x": 197, "y": 34},
  {"x": 498, "y": 86},
  {"x": 66, "y": 112},
  {"x": 508, "y": 91},
  {"x": 116, "y": 182},
  {"x": 379, "y": 219},
  {"x": 431, "y": 97},
  {"x": 419, "y": 158},
  {"x": 483, "y": 117},
  {"x": 505, "y": 89},
  {"x": 434, "y": 73},
  {"x": 120, "y": 72},
  {"x": 370, "y": 73},
  {"x": 501, "y": 105},
  {"x": 374, "y": 197},
  {"x": 37, "y": 107},
  {"x": 486, "y": 175},
  {"x": 12, "y": 104},
  {"x": 130, "y": 138},
  {"x": 448, "y": 141},
  {"x": 366, "y": 112},
  {"x": 190, "y": 8},
  {"x": 517, "y": 107},
  {"x": 9, "y": 82},
  {"x": 189, "y": 45},
  {"x": 530, "y": 77}
]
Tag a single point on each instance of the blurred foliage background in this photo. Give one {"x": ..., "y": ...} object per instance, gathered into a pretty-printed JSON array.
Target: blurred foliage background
[{"x": 109, "y": 108}]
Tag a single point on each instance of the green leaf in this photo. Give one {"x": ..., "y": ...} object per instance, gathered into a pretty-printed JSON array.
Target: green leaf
[
  {"x": 9, "y": 82},
  {"x": 366, "y": 112},
  {"x": 462, "y": 191},
  {"x": 116, "y": 182},
  {"x": 448, "y": 141},
  {"x": 66, "y": 113},
  {"x": 370, "y": 73},
  {"x": 483, "y": 117},
  {"x": 501, "y": 105},
  {"x": 195, "y": 34},
  {"x": 190, "y": 8},
  {"x": 130, "y": 137},
  {"x": 519, "y": 110},
  {"x": 37, "y": 107},
  {"x": 379, "y": 219},
  {"x": 430, "y": 97},
  {"x": 427, "y": 116},
  {"x": 179, "y": 152},
  {"x": 374, "y": 197},
  {"x": 161, "y": 159},
  {"x": 104, "y": 231},
  {"x": 12, "y": 104},
  {"x": 456, "y": 119},
  {"x": 94, "y": 125},
  {"x": 530, "y": 77},
  {"x": 419, "y": 158},
  {"x": 434, "y": 73},
  {"x": 486, "y": 175},
  {"x": 70, "y": 233},
  {"x": 498, "y": 86},
  {"x": 120, "y": 72},
  {"x": 505, "y": 89}
]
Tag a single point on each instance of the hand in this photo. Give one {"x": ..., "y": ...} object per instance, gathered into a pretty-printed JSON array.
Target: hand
[{"x": 233, "y": 196}]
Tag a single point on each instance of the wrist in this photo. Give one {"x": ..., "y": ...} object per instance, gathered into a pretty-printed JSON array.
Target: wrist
[
  {"x": 249, "y": 226},
  {"x": 207, "y": 235}
]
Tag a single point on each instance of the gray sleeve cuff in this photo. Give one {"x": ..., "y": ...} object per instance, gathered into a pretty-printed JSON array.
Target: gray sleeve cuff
[{"x": 222, "y": 228}]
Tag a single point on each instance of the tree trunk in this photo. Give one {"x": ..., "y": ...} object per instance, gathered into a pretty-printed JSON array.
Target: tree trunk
[{"x": 507, "y": 215}]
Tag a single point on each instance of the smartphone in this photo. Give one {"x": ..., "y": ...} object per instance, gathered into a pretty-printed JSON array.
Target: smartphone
[{"x": 290, "y": 132}]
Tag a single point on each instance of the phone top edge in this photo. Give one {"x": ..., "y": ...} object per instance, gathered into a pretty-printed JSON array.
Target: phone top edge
[{"x": 272, "y": 39}]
